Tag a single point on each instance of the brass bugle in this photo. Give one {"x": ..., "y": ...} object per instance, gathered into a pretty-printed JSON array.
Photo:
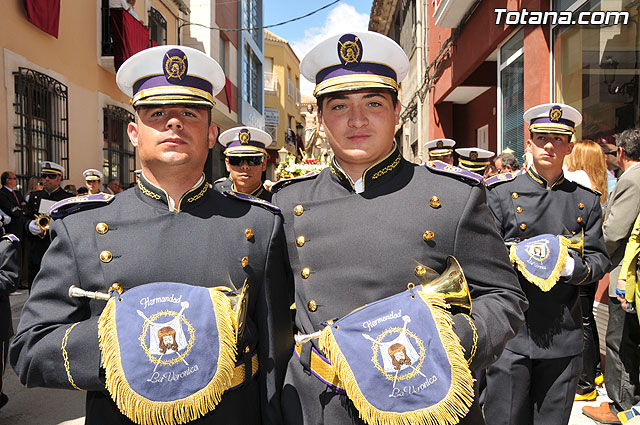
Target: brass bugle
[
  {"x": 43, "y": 221},
  {"x": 302, "y": 338},
  {"x": 77, "y": 292},
  {"x": 452, "y": 284}
]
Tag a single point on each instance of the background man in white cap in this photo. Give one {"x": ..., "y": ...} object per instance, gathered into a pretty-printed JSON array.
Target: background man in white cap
[
  {"x": 92, "y": 179},
  {"x": 535, "y": 379},
  {"x": 359, "y": 230},
  {"x": 38, "y": 204},
  {"x": 246, "y": 161},
  {"x": 170, "y": 228},
  {"x": 440, "y": 150}
]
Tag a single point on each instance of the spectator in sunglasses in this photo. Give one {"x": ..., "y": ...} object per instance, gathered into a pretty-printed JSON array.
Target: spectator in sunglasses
[{"x": 245, "y": 161}]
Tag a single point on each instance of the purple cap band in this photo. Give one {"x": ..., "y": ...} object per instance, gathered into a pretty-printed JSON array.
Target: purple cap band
[
  {"x": 253, "y": 143},
  {"x": 161, "y": 81},
  {"x": 361, "y": 68},
  {"x": 547, "y": 120}
]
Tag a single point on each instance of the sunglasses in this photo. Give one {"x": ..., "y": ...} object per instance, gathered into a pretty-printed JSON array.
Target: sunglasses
[
  {"x": 614, "y": 153},
  {"x": 251, "y": 160},
  {"x": 49, "y": 176}
]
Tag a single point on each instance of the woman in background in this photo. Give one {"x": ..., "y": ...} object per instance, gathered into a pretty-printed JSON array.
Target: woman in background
[{"x": 587, "y": 166}]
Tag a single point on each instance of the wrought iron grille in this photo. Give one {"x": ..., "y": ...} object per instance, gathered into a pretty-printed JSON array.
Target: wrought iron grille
[
  {"x": 157, "y": 27},
  {"x": 119, "y": 156},
  {"x": 42, "y": 123}
]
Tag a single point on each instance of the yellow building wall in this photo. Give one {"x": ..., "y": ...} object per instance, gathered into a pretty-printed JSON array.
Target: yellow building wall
[
  {"x": 283, "y": 60},
  {"x": 74, "y": 60}
]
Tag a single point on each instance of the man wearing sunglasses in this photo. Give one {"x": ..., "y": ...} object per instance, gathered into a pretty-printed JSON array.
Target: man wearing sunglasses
[
  {"x": 39, "y": 203},
  {"x": 245, "y": 161}
]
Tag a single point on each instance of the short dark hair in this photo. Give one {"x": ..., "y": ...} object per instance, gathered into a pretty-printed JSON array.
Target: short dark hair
[
  {"x": 5, "y": 177},
  {"x": 509, "y": 159},
  {"x": 629, "y": 141},
  {"x": 320, "y": 100}
]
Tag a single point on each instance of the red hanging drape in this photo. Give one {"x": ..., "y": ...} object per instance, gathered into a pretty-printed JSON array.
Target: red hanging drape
[
  {"x": 227, "y": 91},
  {"x": 129, "y": 36},
  {"x": 44, "y": 14}
]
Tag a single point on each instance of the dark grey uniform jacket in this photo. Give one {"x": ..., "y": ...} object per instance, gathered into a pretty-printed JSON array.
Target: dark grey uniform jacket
[
  {"x": 523, "y": 208},
  {"x": 10, "y": 265},
  {"x": 364, "y": 247},
  {"x": 203, "y": 244},
  {"x": 226, "y": 183}
]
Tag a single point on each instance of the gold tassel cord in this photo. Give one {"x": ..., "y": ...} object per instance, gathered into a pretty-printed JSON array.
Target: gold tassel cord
[
  {"x": 448, "y": 411},
  {"x": 144, "y": 411},
  {"x": 544, "y": 284}
]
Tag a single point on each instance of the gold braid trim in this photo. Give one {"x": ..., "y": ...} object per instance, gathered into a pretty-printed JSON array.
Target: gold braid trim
[
  {"x": 544, "y": 284},
  {"x": 65, "y": 356},
  {"x": 199, "y": 195},
  {"x": 143, "y": 411},
  {"x": 448, "y": 411},
  {"x": 147, "y": 192},
  {"x": 388, "y": 168},
  {"x": 475, "y": 338}
]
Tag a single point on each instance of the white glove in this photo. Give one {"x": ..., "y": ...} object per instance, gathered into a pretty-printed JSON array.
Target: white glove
[
  {"x": 34, "y": 229},
  {"x": 567, "y": 270},
  {"x": 4, "y": 219}
]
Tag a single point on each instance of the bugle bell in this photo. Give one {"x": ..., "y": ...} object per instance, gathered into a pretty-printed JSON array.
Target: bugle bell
[
  {"x": 452, "y": 284},
  {"x": 43, "y": 221}
]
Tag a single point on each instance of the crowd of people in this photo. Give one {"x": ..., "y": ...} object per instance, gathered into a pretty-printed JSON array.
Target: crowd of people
[{"x": 417, "y": 293}]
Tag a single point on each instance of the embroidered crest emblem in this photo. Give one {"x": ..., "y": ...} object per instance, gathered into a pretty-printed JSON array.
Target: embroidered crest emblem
[
  {"x": 439, "y": 144},
  {"x": 163, "y": 335},
  {"x": 401, "y": 351},
  {"x": 174, "y": 64},
  {"x": 473, "y": 155},
  {"x": 538, "y": 250},
  {"x": 555, "y": 113},
  {"x": 244, "y": 135},
  {"x": 349, "y": 49}
]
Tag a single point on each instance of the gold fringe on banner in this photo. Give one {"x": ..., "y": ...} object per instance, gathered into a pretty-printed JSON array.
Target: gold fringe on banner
[
  {"x": 448, "y": 411},
  {"x": 544, "y": 284},
  {"x": 144, "y": 411}
]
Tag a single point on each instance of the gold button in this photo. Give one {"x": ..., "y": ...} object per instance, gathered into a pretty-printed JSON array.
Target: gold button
[
  {"x": 581, "y": 205},
  {"x": 420, "y": 271},
  {"x": 248, "y": 233},
  {"x": 298, "y": 210},
  {"x": 312, "y": 305},
  {"x": 102, "y": 228},
  {"x": 105, "y": 256},
  {"x": 428, "y": 235},
  {"x": 244, "y": 261},
  {"x": 305, "y": 273},
  {"x": 514, "y": 195},
  {"x": 434, "y": 202},
  {"x": 247, "y": 350},
  {"x": 523, "y": 226},
  {"x": 300, "y": 240},
  {"x": 519, "y": 210},
  {"x": 579, "y": 220}
]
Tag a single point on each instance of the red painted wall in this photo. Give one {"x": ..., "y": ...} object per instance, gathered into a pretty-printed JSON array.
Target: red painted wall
[
  {"x": 475, "y": 114},
  {"x": 477, "y": 39}
]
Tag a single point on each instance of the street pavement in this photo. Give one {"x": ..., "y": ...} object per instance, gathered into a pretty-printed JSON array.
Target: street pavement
[{"x": 42, "y": 406}]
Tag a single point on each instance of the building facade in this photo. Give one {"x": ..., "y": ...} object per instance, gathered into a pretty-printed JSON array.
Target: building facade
[
  {"x": 283, "y": 120},
  {"x": 61, "y": 100}
]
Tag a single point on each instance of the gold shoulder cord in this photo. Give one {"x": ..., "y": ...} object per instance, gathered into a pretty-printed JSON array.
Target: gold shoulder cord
[
  {"x": 475, "y": 338},
  {"x": 66, "y": 356}
]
